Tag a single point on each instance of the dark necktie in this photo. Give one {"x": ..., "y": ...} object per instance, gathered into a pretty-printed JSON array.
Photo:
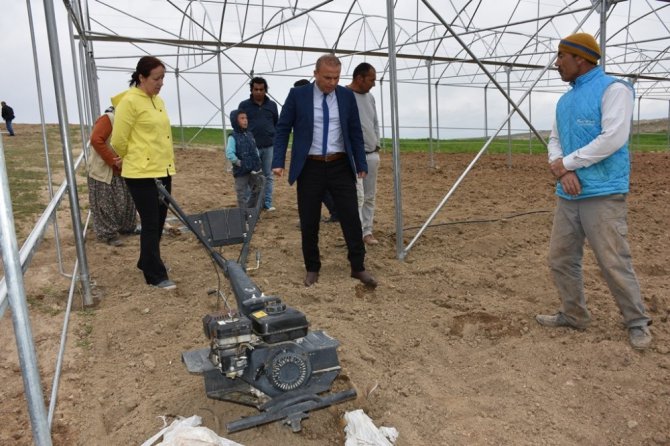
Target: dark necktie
[{"x": 326, "y": 119}]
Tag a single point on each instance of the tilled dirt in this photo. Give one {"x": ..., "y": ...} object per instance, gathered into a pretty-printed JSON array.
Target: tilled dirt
[{"x": 446, "y": 349}]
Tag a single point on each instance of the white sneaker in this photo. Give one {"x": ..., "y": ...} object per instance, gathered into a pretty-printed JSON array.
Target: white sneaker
[
  {"x": 271, "y": 209},
  {"x": 167, "y": 284}
]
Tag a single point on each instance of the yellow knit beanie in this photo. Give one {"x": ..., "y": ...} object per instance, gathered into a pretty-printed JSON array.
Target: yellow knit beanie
[{"x": 581, "y": 44}]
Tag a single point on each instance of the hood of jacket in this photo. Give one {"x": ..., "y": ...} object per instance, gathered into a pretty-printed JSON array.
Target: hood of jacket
[
  {"x": 233, "y": 122},
  {"x": 116, "y": 99}
]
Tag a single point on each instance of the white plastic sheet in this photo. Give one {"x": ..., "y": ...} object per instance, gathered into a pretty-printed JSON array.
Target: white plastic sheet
[
  {"x": 361, "y": 431},
  {"x": 188, "y": 432}
]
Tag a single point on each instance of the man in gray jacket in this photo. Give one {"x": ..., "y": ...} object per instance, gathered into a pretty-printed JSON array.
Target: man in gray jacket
[{"x": 364, "y": 78}]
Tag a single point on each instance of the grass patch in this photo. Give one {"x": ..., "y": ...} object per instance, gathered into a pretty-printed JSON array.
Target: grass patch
[
  {"x": 26, "y": 160},
  {"x": 85, "y": 328},
  {"x": 648, "y": 142},
  {"x": 48, "y": 300},
  {"x": 26, "y": 169},
  {"x": 198, "y": 136}
]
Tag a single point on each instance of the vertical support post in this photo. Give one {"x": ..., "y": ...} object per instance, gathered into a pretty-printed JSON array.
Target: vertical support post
[
  {"x": 92, "y": 78},
  {"x": 86, "y": 92},
  {"x": 381, "y": 96},
  {"x": 508, "y": 70},
  {"x": 68, "y": 164},
  {"x": 181, "y": 122},
  {"x": 668, "y": 133},
  {"x": 530, "y": 117},
  {"x": 486, "y": 111},
  {"x": 77, "y": 88},
  {"x": 45, "y": 144},
  {"x": 639, "y": 107},
  {"x": 89, "y": 61},
  {"x": 603, "y": 32},
  {"x": 395, "y": 128},
  {"x": 430, "y": 119},
  {"x": 16, "y": 293},
  {"x": 221, "y": 99},
  {"x": 437, "y": 116}
]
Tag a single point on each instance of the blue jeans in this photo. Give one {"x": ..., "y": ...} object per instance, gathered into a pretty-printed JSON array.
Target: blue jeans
[
  {"x": 10, "y": 129},
  {"x": 266, "y": 161}
]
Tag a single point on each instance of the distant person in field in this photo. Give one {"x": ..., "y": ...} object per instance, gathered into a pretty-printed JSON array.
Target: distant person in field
[
  {"x": 242, "y": 152},
  {"x": 588, "y": 157},
  {"x": 327, "y": 198},
  {"x": 142, "y": 137},
  {"x": 8, "y": 116},
  {"x": 262, "y": 115},
  {"x": 110, "y": 201},
  {"x": 363, "y": 79}
]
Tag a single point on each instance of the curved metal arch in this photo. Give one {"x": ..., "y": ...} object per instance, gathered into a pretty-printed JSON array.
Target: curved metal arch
[
  {"x": 534, "y": 38},
  {"x": 280, "y": 14},
  {"x": 402, "y": 45},
  {"x": 459, "y": 53},
  {"x": 344, "y": 22},
  {"x": 445, "y": 34},
  {"x": 531, "y": 39},
  {"x": 549, "y": 22},
  {"x": 535, "y": 35},
  {"x": 348, "y": 27},
  {"x": 653, "y": 11},
  {"x": 183, "y": 22},
  {"x": 653, "y": 62}
]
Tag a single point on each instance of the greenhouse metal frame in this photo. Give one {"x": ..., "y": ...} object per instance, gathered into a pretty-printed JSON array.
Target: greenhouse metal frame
[{"x": 460, "y": 44}]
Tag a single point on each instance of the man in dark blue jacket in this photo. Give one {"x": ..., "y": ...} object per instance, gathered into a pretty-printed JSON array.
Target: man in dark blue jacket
[
  {"x": 262, "y": 114},
  {"x": 327, "y": 155},
  {"x": 8, "y": 116}
]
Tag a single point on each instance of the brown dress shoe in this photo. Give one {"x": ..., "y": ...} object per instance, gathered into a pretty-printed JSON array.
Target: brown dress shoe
[
  {"x": 311, "y": 278},
  {"x": 364, "y": 277},
  {"x": 370, "y": 240}
]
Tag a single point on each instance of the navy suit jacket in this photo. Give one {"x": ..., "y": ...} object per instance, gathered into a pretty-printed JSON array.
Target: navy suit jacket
[{"x": 298, "y": 114}]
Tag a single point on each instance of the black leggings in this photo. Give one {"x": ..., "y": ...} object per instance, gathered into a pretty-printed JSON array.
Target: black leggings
[{"x": 152, "y": 217}]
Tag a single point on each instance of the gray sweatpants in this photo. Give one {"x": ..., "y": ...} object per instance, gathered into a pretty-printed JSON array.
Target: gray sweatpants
[
  {"x": 366, "y": 189},
  {"x": 601, "y": 221},
  {"x": 246, "y": 190}
]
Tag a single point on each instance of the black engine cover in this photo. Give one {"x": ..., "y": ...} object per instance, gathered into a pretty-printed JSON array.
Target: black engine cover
[{"x": 308, "y": 363}]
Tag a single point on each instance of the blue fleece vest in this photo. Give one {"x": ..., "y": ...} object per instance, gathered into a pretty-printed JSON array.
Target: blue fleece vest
[
  {"x": 246, "y": 152},
  {"x": 578, "y": 118}
]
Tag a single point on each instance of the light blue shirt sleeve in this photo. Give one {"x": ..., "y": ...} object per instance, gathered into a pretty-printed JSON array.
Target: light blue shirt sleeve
[{"x": 230, "y": 150}]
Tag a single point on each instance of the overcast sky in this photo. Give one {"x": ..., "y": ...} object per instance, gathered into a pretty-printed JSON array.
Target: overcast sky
[{"x": 199, "y": 93}]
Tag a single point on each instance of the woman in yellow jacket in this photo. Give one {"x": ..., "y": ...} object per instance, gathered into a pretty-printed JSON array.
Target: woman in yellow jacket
[{"x": 142, "y": 137}]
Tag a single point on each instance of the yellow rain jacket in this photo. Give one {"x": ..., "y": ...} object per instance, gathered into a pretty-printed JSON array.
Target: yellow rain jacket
[{"x": 142, "y": 136}]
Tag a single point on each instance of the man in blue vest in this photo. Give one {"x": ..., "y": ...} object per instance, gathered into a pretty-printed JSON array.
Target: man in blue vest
[{"x": 588, "y": 156}]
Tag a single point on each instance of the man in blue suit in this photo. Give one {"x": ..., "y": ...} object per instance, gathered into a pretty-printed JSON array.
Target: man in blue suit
[{"x": 327, "y": 155}]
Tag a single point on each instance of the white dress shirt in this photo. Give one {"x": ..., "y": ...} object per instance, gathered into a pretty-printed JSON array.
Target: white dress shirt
[{"x": 335, "y": 139}]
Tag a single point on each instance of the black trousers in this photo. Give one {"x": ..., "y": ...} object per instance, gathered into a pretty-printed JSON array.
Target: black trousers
[
  {"x": 152, "y": 217},
  {"x": 336, "y": 177}
]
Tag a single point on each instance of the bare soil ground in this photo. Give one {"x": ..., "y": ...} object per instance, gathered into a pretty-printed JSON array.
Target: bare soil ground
[{"x": 445, "y": 349}]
